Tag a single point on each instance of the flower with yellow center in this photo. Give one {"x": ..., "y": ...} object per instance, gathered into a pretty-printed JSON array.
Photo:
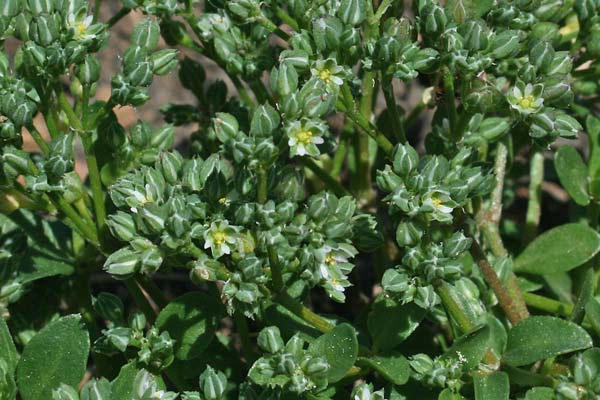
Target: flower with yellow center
[
  {"x": 220, "y": 237},
  {"x": 304, "y": 136},
  {"x": 439, "y": 205},
  {"x": 80, "y": 27},
  {"x": 526, "y": 98},
  {"x": 329, "y": 72}
]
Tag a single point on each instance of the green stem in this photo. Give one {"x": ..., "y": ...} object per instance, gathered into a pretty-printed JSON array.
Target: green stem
[
  {"x": 39, "y": 140},
  {"x": 363, "y": 167},
  {"x": 362, "y": 123},
  {"x": 276, "y": 273},
  {"x": 140, "y": 300},
  {"x": 262, "y": 189},
  {"x": 534, "y": 210},
  {"x": 95, "y": 182},
  {"x": 247, "y": 346},
  {"x": 286, "y": 18},
  {"x": 492, "y": 279},
  {"x": 333, "y": 184},
  {"x": 86, "y": 230},
  {"x": 388, "y": 93},
  {"x": 303, "y": 312},
  {"x": 549, "y": 305},
  {"x": 383, "y": 6},
  {"x": 97, "y": 5},
  {"x": 453, "y": 309},
  {"x": 271, "y": 27},
  {"x": 118, "y": 16},
  {"x": 449, "y": 100},
  {"x": 152, "y": 290}
]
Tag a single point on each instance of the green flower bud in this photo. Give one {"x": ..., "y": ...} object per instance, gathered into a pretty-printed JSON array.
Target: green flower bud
[
  {"x": 170, "y": 163},
  {"x": 22, "y": 25},
  {"x": 387, "y": 49},
  {"x": 557, "y": 92},
  {"x": 269, "y": 340},
  {"x": 64, "y": 392},
  {"x": 352, "y": 12},
  {"x": 121, "y": 90},
  {"x": 163, "y": 61},
  {"x": 264, "y": 121},
  {"x": 541, "y": 55},
  {"x": 122, "y": 264},
  {"x": 326, "y": 32},
  {"x": 570, "y": 391},
  {"x": 583, "y": 371},
  {"x": 433, "y": 18},
  {"x": 506, "y": 44},
  {"x": 567, "y": 126},
  {"x": 122, "y": 226},
  {"x": 297, "y": 58},
  {"x": 546, "y": 31},
  {"x": 408, "y": 234},
  {"x": 9, "y": 8},
  {"x": 8, "y": 131},
  {"x": 146, "y": 35},
  {"x": 493, "y": 128},
  {"x": 213, "y": 384},
  {"x": 38, "y": 7},
  {"x": 561, "y": 64},
  {"x": 405, "y": 159},
  {"x": 475, "y": 34},
  {"x": 137, "y": 321},
  {"x": 89, "y": 71},
  {"x": 541, "y": 125},
  {"x": 153, "y": 217},
  {"x": 456, "y": 244},
  {"x": 284, "y": 80},
  {"x": 315, "y": 99},
  {"x": 150, "y": 260},
  {"x": 18, "y": 160},
  {"x": 226, "y": 127},
  {"x": 44, "y": 30},
  {"x": 317, "y": 367},
  {"x": 163, "y": 137},
  {"x": 138, "y": 97},
  {"x": 109, "y": 307},
  {"x": 141, "y": 74}
]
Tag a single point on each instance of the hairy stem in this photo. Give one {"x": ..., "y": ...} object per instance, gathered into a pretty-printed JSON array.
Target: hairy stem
[
  {"x": 303, "y": 312},
  {"x": 397, "y": 120},
  {"x": 534, "y": 209}
]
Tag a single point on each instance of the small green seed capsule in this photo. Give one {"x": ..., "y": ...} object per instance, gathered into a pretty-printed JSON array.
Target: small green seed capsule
[
  {"x": 122, "y": 226},
  {"x": 164, "y": 61},
  {"x": 264, "y": 121},
  {"x": 505, "y": 44},
  {"x": 541, "y": 55},
  {"x": 213, "y": 384},
  {"x": 352, "y": 12},
  {"x": 269, "y": 339},
  {"x": 122, "y": 264},
  {"x": 137, "y": 321},
  {"x": 38, "y": 7},
  {"x": 89, "y": 71},
  {"x": 146, "y": 35}
]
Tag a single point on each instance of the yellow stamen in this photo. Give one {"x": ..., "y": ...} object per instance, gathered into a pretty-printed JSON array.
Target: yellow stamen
[
  {"x": 219, "y": 237},
  {"x": 329, "y": 260},
  {"x": 437, "y": 203},
  {"x": 526, "y": 101},
  {"x": 304, "y": 137},
  {"x": 223, "y": 200},
  {"x": 80, "y": 28},
  {"x": 325, "y": 75}
]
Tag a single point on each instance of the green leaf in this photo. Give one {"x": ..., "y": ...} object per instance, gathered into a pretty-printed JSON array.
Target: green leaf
[
  {"x": 593, "y": 130},
  {"x": 541, "y": 337},
  {"x": 448, "y": 394},
  {"x": 559, "y": 250},
  {"x": 191, "y": 320},
  {"x": 340, "y": 349},
  {"x": 8, "y": 351},
  {"x": 39, "y": 264},
  {"x": 57, "y": 354},
  {"x": 288, "y": 322},
  {"x": 393, "y": 367},
  {"x": 572, "y": 173},
  {"x": 586, "y": 293},
  {"x": 494, "y": 386},
  {"x": 471, "y": 347},
  {"x": 592, "y": 312},
  {"x": 540, "y": 393},
  {"x": 390, "y": 323},
  {"x": 122, "y": 386}
]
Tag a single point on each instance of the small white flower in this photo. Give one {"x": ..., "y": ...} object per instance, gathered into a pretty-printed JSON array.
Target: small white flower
[
  {"x": 220, "y": 238},
  {"x": 304, "y": 136},
  {"x": 526, "y": 98},
  {"x": 329, "y": 72},
  {"x": 81, "y": 26}
]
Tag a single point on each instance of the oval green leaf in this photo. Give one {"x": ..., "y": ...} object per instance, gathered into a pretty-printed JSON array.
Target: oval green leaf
[
  {"x": 191, "y": 320},
  {"x": 541, "y": 337},
  {"x": 572, "y": 173},
  {"x": 340, "y": 349},
  {"x": 558, "y": 250},
  {"x": 393, "y": 367},
  {"x": 57, "y": 354},
  {"x": 8, "y": 351},
  {"x": 470, "y": 348},
  {"x": 391, "y": 323},
  {"x": 494, "y": 386}
]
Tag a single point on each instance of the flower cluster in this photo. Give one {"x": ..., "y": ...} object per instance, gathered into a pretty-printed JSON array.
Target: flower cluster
[{"x": 288, "y": 365}]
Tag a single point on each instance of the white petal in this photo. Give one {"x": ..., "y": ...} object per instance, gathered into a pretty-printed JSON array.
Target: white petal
[
  {"x": 301, "y": 150},
  {"x": 317, "y": 140}
]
